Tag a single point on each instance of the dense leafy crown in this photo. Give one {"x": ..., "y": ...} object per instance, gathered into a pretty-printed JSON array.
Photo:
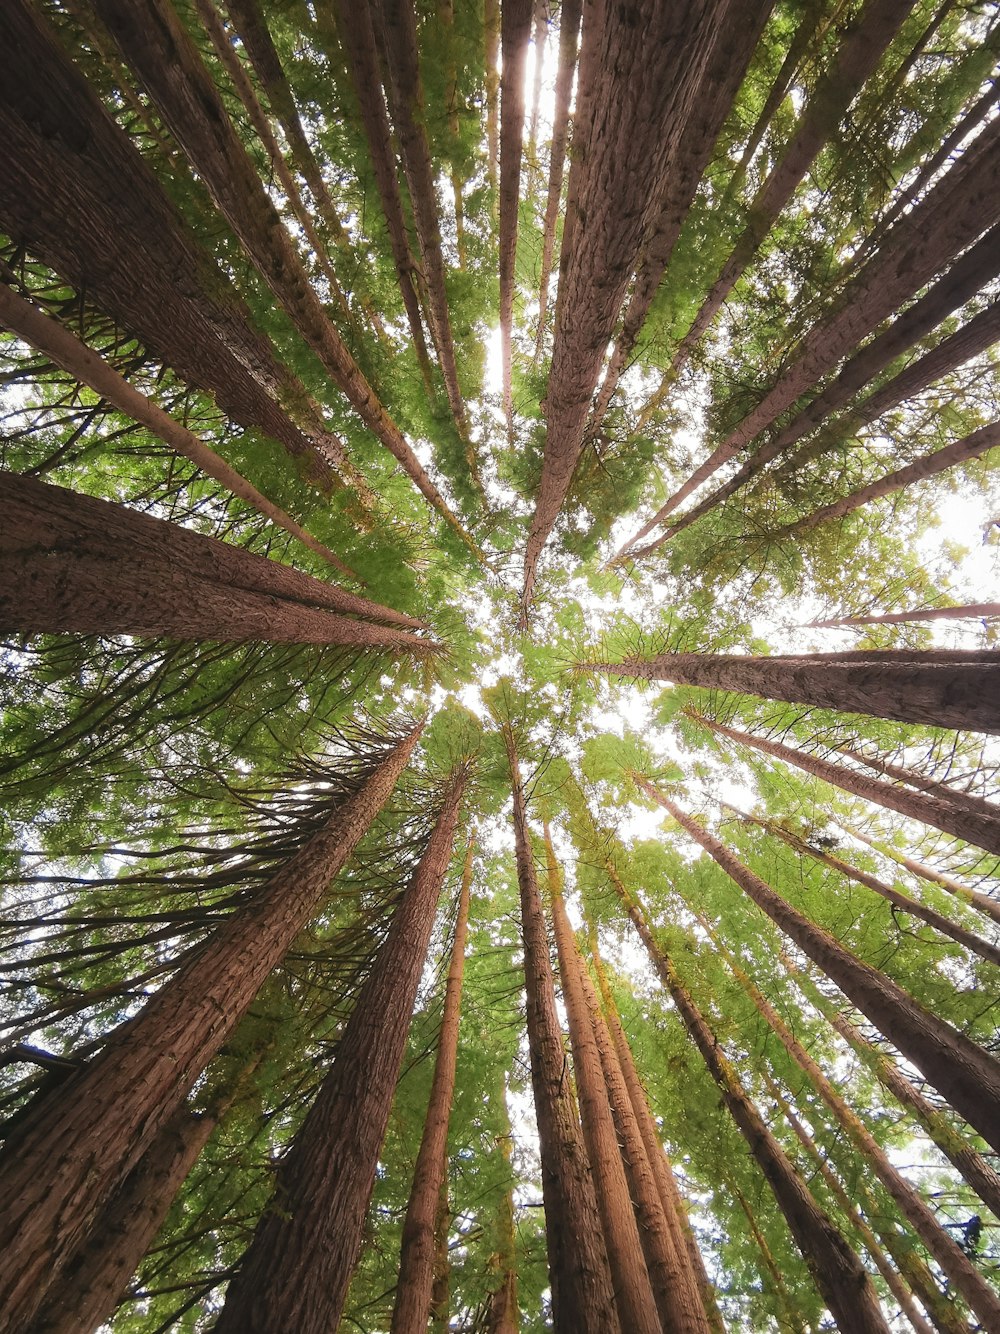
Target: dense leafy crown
[{"x": 151, "y": 783}]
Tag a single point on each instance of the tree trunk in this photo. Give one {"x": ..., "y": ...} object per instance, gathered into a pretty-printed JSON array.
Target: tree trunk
[
  {"x": 504, "y": 1316},
  {"x": 491, "y": 36},
  {"x": 946, "y": 688},
  {"x": 75, "y": 564},
  {"x": 414, "y": 1289},
  {"x": 56, "y": 1177},
  {"x": 583, "y": 1297},
  {"x": 69, "y": 179},
  {"x": 357, "y": 36},
  {"x": 972, "y": 897},
  {"x": 899, "y": 901},
  {"x": 970, "y": 447},
  {"x": 633, "y": 1291},
  {"x": 515, "y": 30},
  {"x": 836, "y": 1269},
  {"x": 90, "y": 368},
  {"x": 950, "y": 819},
  {"x": 962, "y": 1072},
  {"x": 954, "y": 1263},
  {"x": 297, "y": 1270},
  {"x": 170, "y": 67},
  {"x": 968, "y": 800},
  {"x": 972, "y": 611},
  {"x": 671, "y": 1274},
  {"x": 632, "y": 145},
  {"x": 569, "y": 35}
]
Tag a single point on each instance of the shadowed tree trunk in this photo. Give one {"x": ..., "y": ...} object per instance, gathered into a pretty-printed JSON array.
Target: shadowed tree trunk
[
  {"x": 972, "y": 611},
  {"x": 491, "y": 42},
  {"x": 69, "y": 179},
  {"x": 297, "y": 1270},
  {"x": 74, "y": 564},
  {"x": 962, "y": 1072},
  {"x": 968, "y": 800},
  {"x": 415, "y": 1285},
  {"x": 515, "y": 30},
  {"x": 946, "y": 688},
  {"x": 836, "y": 1269},
  {"x": 90, "y": 368},
  {"x": 950, "y": 819},
  {"x": 504, "y": 1316},
  {"x": 633, "y": 1291},
  {"x": 58, "y": 1174},
  {"x": 583, "y": 1297}
]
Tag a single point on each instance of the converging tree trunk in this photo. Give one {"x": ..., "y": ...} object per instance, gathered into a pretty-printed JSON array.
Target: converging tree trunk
[
  {"x": 296, "y": 1272},
  {"x": 515, "y": 30},
  {"x": 968, "y": 800},
  {"x": 89, "y": 1135},
  {"x": 946, "y": 688},
  {"x": 971, "y": 611},
  {"x": 415, "y": 1285},
  {"x": 957, "y": 1067},
  {"x": 583, "y": 1296}
]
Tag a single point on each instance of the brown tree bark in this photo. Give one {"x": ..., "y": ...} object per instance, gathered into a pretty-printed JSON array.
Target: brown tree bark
[
  {"x": 69, "y": 179},
  {"x": 63, "y": 574},
  {"x": 954, "y": 1263},
  {"x": 569, "y": 36},
  {"x": 583, "y": 1297},
  {"x": 515, "y": 31},
  {"x": 633, "y": 1290},
  {"x": 504, "y": 1316},
  {"x": 415, "y": 1285},
  {"x": 946, "y": 688},
  {"x": 297, "y": 1270},
  {"x": 89, "y": 367},
  {"x": 968, "y": 800},
  {"x": 491, "y": 42},
  {"x": 926, "y": 809},
  {"x": 972, "y": 897},
  {"x": 962, "y": 1072},
  {"x": 153, "y": 41},
  {"x": 82, "y": 1144},
  {"x": 972, "y": 611},
  {"x": 899, "y": 901},
  {"x": 631, "y": 146},
  {"x": 836, "y": 1269}
]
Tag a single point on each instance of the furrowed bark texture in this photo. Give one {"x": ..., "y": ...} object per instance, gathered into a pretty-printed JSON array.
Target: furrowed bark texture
[
  {"x": 950, "y": 819},
  {"x": 515, "y": 29},
  {"x": 74, "y": 564},
  {"x": 504, "y": 1315},
  {"x": 943, "y": 688},
  {"x": 69, "y": 179},
  {"x": 638, "y": 113},
  {"x": 583, "y": 1297},
  {"x": 962, "y": 1072},
  {"x": 967, "y": 800},
  {"x": 297, "y": 1270},
  {"x": 90, "y": 368},
  {"x": 415, "y": 1285},
  {"x": 633, "y": 1290},
  {"x": 170, "y": 67},
  {"x": 836, "y": 1269},
  {"x": 82, "y": 1144}
]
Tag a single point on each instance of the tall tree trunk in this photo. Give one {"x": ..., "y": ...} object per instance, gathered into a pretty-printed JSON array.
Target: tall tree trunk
[
  {"x": 583, "y": 1297},
  {"x": 491, "y": 43},
  {"x": 971, "y": 446},
  {"x": 170, "y": 67},
  {"x": 73, "y": 564},
  {"x": 357, "y": 36},
  {"x": 94, "y": 1284},
  {"x": 675, "y": 1285},
  {"x": 504, "y": 1316},
  {"x": 415, "y": 1285},
  {"x": 569, "y": 36},
  {"x": 539, "y": 39},
  {"x": 69, "y": 179},
  {"x": 946, "y": 688},
  {"x": 90, "y": 368},
  {"x": 962, "y": 1072},
  {"x": 954, "y": 1263},
  {"x": 515, "y": 30},
  {"x": 636, "y": 1305},
  {"x": 406, "y": 102},
  {"x": 972, "y": 611},
  {"x": 631, "y": 146},
  {"x": 950, "y": 819},
  {"x": 56, "y": 1177},
  {"x": 899, "y": 901},
  {"x": 968, "y": 800},
  {"x": 297, "y": 1270},
  {"x": 446, "y": 16},
  {"x": 973, "y": 898},
  {"x": 836, "y": 1269}
]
